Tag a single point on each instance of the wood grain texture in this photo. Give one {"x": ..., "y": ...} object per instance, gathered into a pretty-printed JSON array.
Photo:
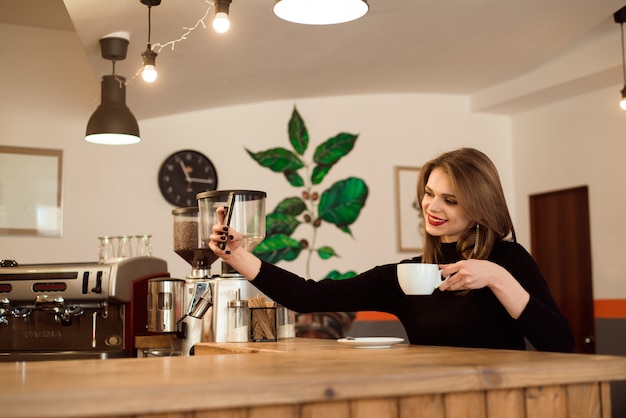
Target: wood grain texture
[
  {"x": 306, "y": 378},
  {"x": 584, "y": 400},
  {"x": 465, "y": 405},
  {"x": 605, "y": 397},
  {"x": 275, "y": 411},
  {"x": 508, "y": 403},
  {"x": 546, "y": 402},
  {"x": 374, "y": 408}
]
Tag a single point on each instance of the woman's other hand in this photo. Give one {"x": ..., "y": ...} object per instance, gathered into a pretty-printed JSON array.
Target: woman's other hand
[{"x": 476, "y": 274}]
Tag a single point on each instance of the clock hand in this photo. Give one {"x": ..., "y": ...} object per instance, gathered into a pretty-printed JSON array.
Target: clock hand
[
  {"x": 184, "y": 167},
  {"x": 197, "y": 180}
]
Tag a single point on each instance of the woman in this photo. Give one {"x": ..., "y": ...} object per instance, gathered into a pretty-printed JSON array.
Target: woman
[{"x": 494, "y": 295}]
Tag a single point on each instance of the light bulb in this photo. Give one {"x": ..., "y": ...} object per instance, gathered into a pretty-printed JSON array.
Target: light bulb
[
  {"x": 622, "y": 104},
  {"x": 221, "y": 24},
  {"x": 149, "y": 73}
]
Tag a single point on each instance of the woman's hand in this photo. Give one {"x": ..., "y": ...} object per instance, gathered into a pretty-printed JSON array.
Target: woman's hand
[
  {"x": 246, "y": 263},
  {"x": 223, "y": 236},
  {"x": 476, "y": 274}
]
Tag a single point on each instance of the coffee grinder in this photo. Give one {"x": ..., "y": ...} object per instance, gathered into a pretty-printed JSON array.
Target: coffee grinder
[
  {"x": 247, "y": 216},
  {"x": 189, "y": 246}
]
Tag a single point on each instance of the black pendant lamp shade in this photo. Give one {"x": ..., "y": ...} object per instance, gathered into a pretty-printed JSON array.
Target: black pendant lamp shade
[{"x": 113, "y": 123}]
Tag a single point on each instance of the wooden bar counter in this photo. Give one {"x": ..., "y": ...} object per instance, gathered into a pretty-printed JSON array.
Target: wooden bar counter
[{"x": 309, "y": 378}]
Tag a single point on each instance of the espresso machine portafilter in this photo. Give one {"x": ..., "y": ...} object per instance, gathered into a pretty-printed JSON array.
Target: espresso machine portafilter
[{"x": 247, "y": 216}]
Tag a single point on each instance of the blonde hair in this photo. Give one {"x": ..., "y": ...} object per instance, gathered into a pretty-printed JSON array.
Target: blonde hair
[{"x": 479, "y": 193}]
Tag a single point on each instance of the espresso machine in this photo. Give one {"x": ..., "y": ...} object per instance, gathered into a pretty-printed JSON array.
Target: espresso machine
[
  {"x": 74, "y": 310},
  {"x": 246, "y": 214}
]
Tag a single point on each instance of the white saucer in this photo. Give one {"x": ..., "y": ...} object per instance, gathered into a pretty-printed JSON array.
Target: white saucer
[{"x": 371, "y": 342}]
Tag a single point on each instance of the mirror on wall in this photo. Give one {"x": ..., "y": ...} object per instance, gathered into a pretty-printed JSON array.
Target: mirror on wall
[{"x": 31, "y": 191}]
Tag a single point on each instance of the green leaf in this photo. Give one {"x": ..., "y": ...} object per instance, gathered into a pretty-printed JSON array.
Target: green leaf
[
  {"x": 319, "y": 172},
  {"x": 294, "y": 178},
  {"x": 280, "y": 223},
  {"x": 331, "y": 151},
  {"x": 335, "y": 275},
  {"x": 278, "y": 247},
  {"x": 326, "y": 252},
  {"x": 345, "y": 229},
  {"x": 342, "y": 203},
  {"x": 298, "y": 134},
  {"x": 277, "y": 159},
  {"x": 291, "y": 206}
]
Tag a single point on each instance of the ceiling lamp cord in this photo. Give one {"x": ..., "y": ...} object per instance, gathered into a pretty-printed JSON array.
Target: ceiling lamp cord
[
  {"x": 149, "y": 73},
  {"x": 620, "y": 17},
  {"x": 622, "y": 102}
]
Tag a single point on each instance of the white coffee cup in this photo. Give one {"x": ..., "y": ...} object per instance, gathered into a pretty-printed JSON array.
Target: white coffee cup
[{"x": 419, "y": 278}]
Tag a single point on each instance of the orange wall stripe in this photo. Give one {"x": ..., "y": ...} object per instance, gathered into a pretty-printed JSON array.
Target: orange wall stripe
[
  {"x": 375, "y": 316},
  {"x": 604, "y": 308},
  {"x": 610, "y": 308}
]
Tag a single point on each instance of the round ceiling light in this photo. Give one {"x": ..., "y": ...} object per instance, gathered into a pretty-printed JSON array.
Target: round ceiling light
[{"x": 320, "y": 12}]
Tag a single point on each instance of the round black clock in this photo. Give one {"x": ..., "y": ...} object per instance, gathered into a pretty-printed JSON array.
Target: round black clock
[{"x": 183, "y": 175}]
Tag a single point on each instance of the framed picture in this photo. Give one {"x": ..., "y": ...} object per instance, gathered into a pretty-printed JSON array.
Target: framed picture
[
  {"x": 409, "y": 218},
  {"x": 31, "y": 191}
]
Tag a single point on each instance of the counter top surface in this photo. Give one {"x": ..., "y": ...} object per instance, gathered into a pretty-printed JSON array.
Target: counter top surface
[{"x": 223, "y": 375}]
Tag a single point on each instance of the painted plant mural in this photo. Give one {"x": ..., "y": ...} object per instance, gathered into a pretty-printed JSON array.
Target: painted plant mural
[{"x": 316, "y": 205}]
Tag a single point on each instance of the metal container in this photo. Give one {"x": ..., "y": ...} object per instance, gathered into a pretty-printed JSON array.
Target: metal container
[{"x": 165, "y": 304}]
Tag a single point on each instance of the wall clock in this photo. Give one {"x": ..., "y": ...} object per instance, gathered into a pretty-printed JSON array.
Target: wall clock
[{"x": 183, "y": 175}]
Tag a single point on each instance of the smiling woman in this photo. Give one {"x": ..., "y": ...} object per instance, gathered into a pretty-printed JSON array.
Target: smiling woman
[{"x": 494, "y": 295}]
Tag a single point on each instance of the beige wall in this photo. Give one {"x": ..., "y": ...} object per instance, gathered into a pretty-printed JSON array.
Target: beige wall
[
  {"x": 113, "y": 190},
  {"x": 581, "y": 141}
]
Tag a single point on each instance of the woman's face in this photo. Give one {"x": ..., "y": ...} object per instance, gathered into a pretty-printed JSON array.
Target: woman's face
[{"x": 443, "y": 215}]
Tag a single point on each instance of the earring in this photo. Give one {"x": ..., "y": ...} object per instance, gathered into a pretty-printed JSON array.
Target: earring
[{"x": 476, "y": 238}]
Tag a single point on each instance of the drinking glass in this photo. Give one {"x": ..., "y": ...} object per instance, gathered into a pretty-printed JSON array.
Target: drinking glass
[
  {"x": 124, "y": 249},
  {"x": 106, "y": 251},
  {"x": 144, "y": 248}
]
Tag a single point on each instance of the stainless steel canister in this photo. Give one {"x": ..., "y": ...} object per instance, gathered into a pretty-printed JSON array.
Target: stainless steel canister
[{"x": 165, "y": 304}]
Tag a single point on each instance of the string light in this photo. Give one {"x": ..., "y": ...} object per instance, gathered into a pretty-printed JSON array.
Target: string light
[
  {"x": 221, "y": 24},
  {"x": 149, "y": 73}
]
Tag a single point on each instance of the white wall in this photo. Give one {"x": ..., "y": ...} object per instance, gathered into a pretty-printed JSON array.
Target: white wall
[
  {"x": 393, "y": 130},
  {"x": 113, "y": 190},
  {"x": 577, "y": 142}
]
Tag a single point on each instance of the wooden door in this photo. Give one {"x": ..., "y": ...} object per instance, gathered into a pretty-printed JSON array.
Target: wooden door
[{"x": 561, "y": 245}]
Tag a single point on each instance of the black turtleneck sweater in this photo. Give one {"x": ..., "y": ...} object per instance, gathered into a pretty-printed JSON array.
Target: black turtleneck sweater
[{"x": 462, "y": 319}]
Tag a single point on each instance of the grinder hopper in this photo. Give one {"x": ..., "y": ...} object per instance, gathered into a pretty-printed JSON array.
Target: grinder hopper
[
  {"x": 189, "y": 245},
  {"x": 247, "y": 216}
]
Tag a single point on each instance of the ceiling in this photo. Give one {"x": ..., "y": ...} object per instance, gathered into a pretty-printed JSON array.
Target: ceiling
[{"x": 400, "y": 46}]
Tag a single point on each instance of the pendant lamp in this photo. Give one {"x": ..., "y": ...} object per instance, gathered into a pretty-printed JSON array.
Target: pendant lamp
[
  {"x": 113, "y": 123},
  {"x": 320, "y": 12}
]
